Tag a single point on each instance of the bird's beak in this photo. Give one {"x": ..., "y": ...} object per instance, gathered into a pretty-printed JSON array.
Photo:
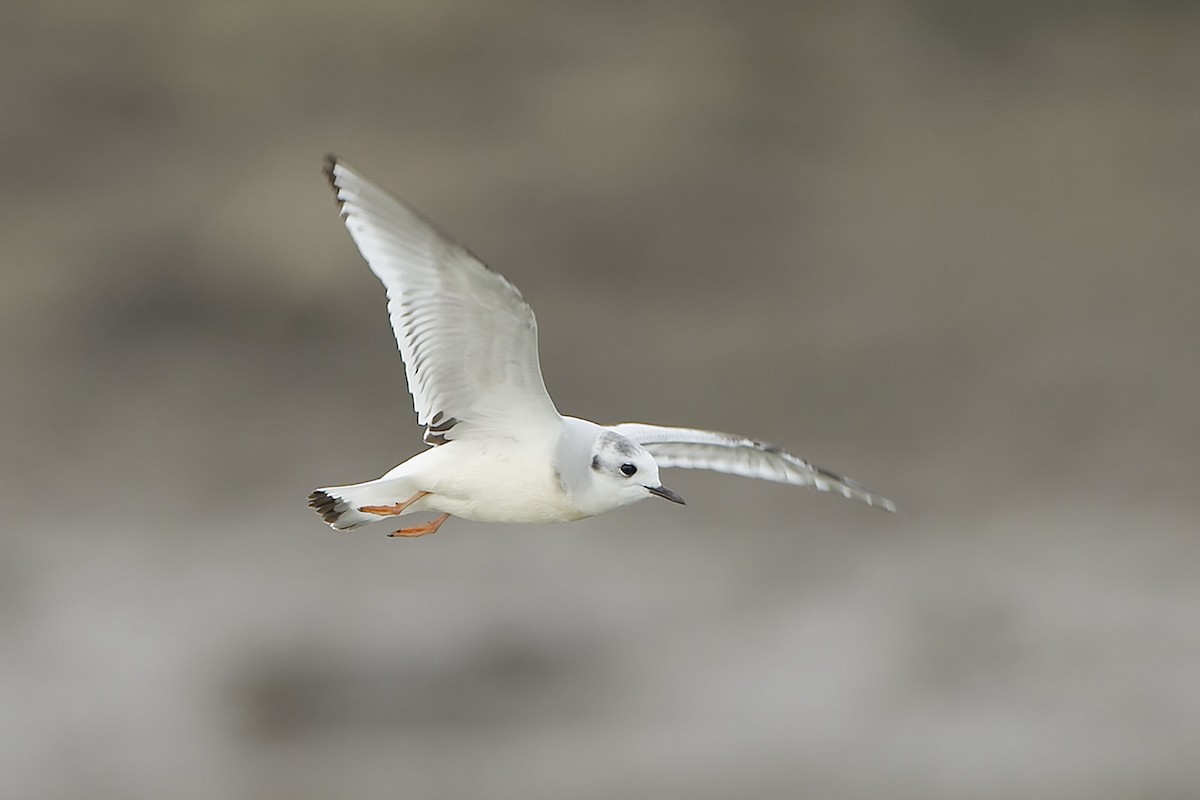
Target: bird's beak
[{"x": 663, "y": 491}]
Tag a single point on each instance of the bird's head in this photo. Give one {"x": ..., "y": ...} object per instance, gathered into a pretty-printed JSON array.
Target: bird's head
[{"x": 623, "y": 472}]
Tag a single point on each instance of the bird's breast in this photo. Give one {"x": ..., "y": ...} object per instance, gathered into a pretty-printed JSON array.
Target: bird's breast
[{"x": 497, "y": 482}]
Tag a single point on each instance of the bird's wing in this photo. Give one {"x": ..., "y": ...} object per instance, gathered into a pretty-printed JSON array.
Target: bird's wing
[
  {"x": 467, "y": 337},
  {"x": 738, "y": 455}
]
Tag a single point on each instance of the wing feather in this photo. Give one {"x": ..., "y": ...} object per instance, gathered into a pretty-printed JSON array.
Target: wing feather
[
  {"x": 738, "y": 455},
  {"x": 467, "y": 337}
]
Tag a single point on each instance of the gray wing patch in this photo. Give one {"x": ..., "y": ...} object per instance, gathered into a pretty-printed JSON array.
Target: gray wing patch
[{"x": 437, "y": 431}]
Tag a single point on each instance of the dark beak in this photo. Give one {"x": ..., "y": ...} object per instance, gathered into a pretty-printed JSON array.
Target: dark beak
[{"x": 663, "y": 491}]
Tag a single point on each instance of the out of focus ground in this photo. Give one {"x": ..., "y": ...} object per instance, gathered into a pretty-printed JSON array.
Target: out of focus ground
[{"x": 947, "y": 248}]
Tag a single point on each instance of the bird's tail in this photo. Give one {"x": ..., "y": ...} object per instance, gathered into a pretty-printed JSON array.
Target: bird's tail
[{"x": 339, "y": 505}]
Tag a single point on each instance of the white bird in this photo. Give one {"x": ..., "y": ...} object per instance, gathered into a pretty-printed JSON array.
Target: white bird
[{"x": 500, "y": 450}]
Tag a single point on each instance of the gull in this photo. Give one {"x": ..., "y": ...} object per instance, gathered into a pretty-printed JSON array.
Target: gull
[{"x": 499, "y": 450}]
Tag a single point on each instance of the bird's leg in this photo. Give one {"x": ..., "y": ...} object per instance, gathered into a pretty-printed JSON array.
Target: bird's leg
[
  {"x": 422, "y": 530},
  {"x": 392, "y": 510}
]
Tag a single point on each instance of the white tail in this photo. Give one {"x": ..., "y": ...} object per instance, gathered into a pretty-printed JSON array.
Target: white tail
[{"x": 339, "y": 505}]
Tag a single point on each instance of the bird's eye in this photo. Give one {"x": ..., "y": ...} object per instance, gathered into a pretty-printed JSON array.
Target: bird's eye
[{"x": 628, "y": 470}]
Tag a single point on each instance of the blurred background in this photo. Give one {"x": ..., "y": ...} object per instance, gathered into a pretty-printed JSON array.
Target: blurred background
[{"x": 948, "y": 248}]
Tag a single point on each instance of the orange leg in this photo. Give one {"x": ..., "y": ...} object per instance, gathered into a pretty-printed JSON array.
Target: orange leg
[
  {"x": 422, "y": 530},
  {"x": 393, "y": 510}
]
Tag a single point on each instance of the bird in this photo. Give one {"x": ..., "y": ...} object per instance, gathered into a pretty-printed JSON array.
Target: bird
[{"x": 498, "y": 449}]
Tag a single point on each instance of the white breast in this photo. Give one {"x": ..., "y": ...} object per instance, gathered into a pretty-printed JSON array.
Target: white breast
[{"x": 490, "y": 480}]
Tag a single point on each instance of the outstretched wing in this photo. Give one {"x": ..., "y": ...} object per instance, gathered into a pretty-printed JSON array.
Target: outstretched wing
[
  {"x": 467, "y": 337},
  {"x": 738, "y": 455}
]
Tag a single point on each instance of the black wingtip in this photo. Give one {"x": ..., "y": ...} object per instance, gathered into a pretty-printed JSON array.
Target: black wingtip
[{"x": 331, "y": 161}]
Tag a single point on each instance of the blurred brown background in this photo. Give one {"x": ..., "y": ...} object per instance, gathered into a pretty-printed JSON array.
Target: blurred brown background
[{"x": 949, "y": 248}]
